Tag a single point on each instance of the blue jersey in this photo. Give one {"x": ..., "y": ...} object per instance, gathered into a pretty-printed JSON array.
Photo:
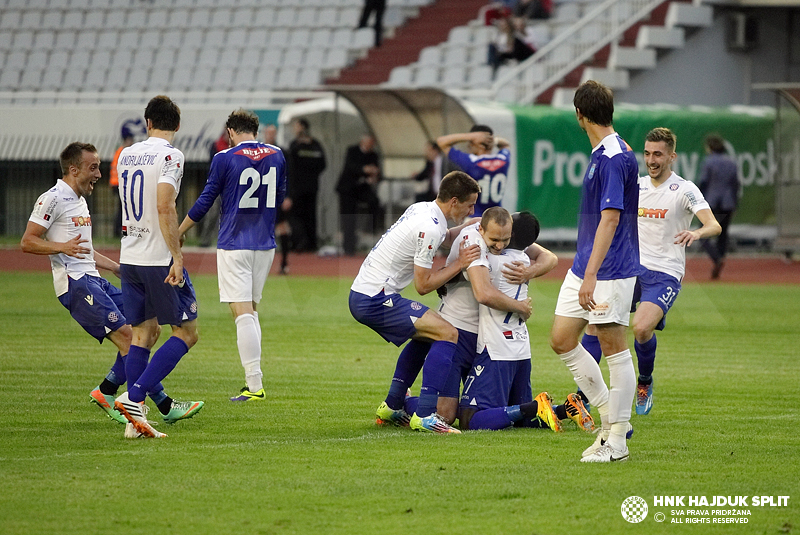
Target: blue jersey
[
  {"x": 490, "y": 171},
  {"x": 251, "y": 180},
  {"x": 611, "y": 181}
]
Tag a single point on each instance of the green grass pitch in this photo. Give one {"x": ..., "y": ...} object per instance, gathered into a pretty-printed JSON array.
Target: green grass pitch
[{"x": 310, "y": 460}]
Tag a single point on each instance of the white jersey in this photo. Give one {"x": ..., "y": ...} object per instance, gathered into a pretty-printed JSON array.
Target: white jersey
[
  {"x": 664, "y": 211},
  {"x": 459, "y": 306},
  {"x": 65, "y": 215},
  {"x": 504, "y": 334},
  {"x": 412, "y": 241},
  {"x": 141, "y": 168}
]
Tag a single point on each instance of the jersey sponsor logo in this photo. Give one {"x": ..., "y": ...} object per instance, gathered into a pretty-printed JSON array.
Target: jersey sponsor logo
[
  {"x": 421, "y": 234},
  {"x": 653, "y": 213},
  {"x": 478, "y": 370},
  {"x": 89, "y": 299},
  {"x": 491, "y": 165},
  {"x": 388, "y": 303},
  {"x": 255, "y": 154},
  {"x": 509, "y": 335},
  {"x": 82, "y": 221},
  {"x": 46, "y": 217}
]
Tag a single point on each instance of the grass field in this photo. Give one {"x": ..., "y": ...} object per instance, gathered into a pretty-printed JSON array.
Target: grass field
[{"x": 311, "y": 461}]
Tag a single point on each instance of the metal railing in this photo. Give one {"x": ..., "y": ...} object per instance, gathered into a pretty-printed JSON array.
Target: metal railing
[{"x": 600, "y": 26}]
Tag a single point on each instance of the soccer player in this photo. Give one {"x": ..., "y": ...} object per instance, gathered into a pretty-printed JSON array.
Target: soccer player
[
  {"x": 599, "y": 287},
  {"x": 60, "y": 226},
  {"x": 497, "y": 391},
  {"x": 489, "y": 169},
  {"x": 250, "y": 178},
  {"x": 667, "y": 204},
  {"x": 404, "y": 254},
  {"x": 156, "y": 289}
]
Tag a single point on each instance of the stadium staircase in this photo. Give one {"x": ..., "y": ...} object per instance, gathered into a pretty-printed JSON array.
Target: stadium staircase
[{"x": 430, "y": 27}]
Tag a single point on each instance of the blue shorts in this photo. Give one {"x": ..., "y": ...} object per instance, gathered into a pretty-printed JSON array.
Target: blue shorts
[
  {"x": 146, "y": 296},
  {"x": 95, "y": 304},
  {"x": 463, "y": 360},
  {"x": 656, "y": 287},
  {"x": 388, "y": 315},
  {"x": 497, "y": 383}
]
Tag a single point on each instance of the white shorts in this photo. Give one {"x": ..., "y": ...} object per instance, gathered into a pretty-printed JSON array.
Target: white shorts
[
  {"x": 242, "y": 274},
  {"x": 613, "y": 298}
]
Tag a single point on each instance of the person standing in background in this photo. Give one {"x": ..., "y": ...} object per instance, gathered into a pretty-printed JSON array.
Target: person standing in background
[
  {"x": 113, "y": 179},
  {"x": 719, "y": 183},
  {"x": 360, "y": 175},
  {"x": 306, "y": 162}
]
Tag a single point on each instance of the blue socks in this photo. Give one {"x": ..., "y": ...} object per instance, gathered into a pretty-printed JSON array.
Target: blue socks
[
  {"x": 163, "y": 362},
  {"x": 592, "y": 345},
  {"x": 434, "y": 375},
  {"x": 646, "y": 355},
  {"x": 116, "y": 374},
  {"x": 495, "y": 419},
  {"x": 409, "y": 364}
]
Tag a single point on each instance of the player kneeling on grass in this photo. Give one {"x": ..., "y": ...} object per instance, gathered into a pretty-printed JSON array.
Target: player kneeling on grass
[
  {"x": 60, "y": 226},
  {"x": 497, "y": 392}
]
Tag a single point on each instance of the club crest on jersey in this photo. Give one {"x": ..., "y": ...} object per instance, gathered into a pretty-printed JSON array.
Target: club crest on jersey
[
  {"x": 415, "y": 306},
  {"x": 113, "y": 317},
  {"x": 82, "y": 221},
  {"x": 256, "y": 153},
  {"x": 673, "y": 187}
]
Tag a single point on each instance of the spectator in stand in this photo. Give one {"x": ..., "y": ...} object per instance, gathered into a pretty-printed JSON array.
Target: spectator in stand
[
  {"x": 533, "y": 9},
  {"x": 428, "y": 180},
  {"x": 378, "y": 6},
  {"x": 508, "y": 44},
  {"x": 306, "y": 161},
  {"x": 283, "y": 229},
  {"x": 210, "y": 227},
  {"x": 360, "y": 176},
  {"x": 113, "y": 178},
  {"x": 719, "y": 183}
]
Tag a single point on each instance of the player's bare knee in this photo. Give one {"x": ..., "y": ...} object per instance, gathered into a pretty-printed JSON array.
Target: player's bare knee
[{"x": 642, "y": 333}]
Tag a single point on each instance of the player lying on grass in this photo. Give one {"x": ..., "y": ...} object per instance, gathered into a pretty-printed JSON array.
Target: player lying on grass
[
  {"x": 404, "y": 254},
  {"x": 61, "y": 226},
  {"x": 667, "y": 204}
]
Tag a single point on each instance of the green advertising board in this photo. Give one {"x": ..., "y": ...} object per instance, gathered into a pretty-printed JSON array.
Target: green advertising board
[{"x": 553, "y": 154}]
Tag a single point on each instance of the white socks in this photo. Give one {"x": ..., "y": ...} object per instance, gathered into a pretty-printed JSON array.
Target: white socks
[
  {"x": 588, "y": 376},
  {"x": 248, "y": 338},
  {"x": 620, "y": 399}
]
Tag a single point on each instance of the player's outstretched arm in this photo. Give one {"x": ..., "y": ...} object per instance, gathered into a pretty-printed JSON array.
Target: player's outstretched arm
[
  {"x": 487, "y": 294},
  {"x": 168, "y": 223},
  {"x": 542, "y": 261},
  {"x": 710, "y": 228},
  {"x": 104, "y": 262},
  {"x": 33, "y": 243},
  {"x": 427, "y": 280}
]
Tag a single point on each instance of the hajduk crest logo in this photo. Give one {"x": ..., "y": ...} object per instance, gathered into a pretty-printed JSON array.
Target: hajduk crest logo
[{"x": 634, "y": 509}]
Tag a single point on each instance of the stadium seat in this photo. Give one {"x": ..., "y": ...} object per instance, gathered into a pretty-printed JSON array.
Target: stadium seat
[
  {"x": 73, "y": 79},
  {"x": 136, "y": 20},
  {"x": 31, "y": 79},
  {"x": 287, "y": 78},
  {"x": 94, "y": 20},
  {"x": 143, "y": 57},
  {"x": 6, "y": 40},
  {"x": 115, "y": 20},
  {"x": 9, "y": 79},
  {"x": 349, "y": 17},
  {"x": 158, "y": 19},
  {"x": 400, "y": 77},
  {"x": 454, "y": 76},
  {"x": 52, "y": 20},
  {"x": 278, "y": 38},
  {"x": 430, "y": 55},
  {"x": 243, "y": 79},
  {"x": 79, "y": 60},
  {"x": 336, "y": 58},
  {"x": 52, "y": 79},
  {"x": 171, "y": 40},
  {"x": 73, "y": 20},
  {"x": 31, "y": 20},
  {"x": 208, "y": 56},
  {"x": 23, "y": 40},
  {"x": 460, "y": 35},
  {"x": 16, "y": 60},
  {"x": 242, "y": 19},
  {"x": 293, "y": 57},
  {"x": 199, "y": 18},
  {"x": 128, "y": 38},
  {"x": 285, "y": 17},
  {"x": 221, "y": 18},
  {"x": 138, "y": 79},
  {"x": 86, "y": 40},
  {"x": 93, "y": 80},
  {"x": 257, "y": 37},
  {"x": 65, "y": 40},
  {"x": 309, "y": 78},
  {"x": 427, "y": 76},
  {"x": 328, "y": 17},
  {"x": 265, "y": 78},
  {"x": 342, "y": 38},
  {"x": 363, "y": 38},
  {"x": 10, "y": 20},
  {"x": 108, "y": 39},
  {"x": 44, "y": 40},
  {"x": 165, "y": 58},
  {"x": 454, "y": 56},
  {"x": 181, "y": 79},
  {"x": 193, "y": 38},
  {"x": 201, "y": 78},
  {"x": 479, "y": 77},
  {"x": 251, "y": 58},
  {"x": 299, "y": 38},
  {"x": 315, "y": 57},
  {"x": 237, "y": 37},
  {"x": 321, "y": 38},
  {"x": 230, "y": 56},
  {"x": 306, "y": 17},
  {"x": 222, "y": 78},
  {"x": 178, "y": 18},
  {"x": 150, "y": 39},
  {"x": 36, "y": 60}
]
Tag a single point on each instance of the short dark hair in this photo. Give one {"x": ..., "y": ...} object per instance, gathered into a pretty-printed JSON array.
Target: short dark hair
[
  {"x": 457, "y": 184},
  {"x": 73, "y": 155},
  {"x": 302, "y": 121},
  {"x": 243, "y": 121},
  {"x": 482, "y": 128},
  {"x": 163, "y": 114},
  {"x": 663, "y": 134},
  {"x": 715, "y": 143},
  {"x": 525, "y": 230},
  {"x": 595, "y": 102},
  {"x": 435, "y": 146},
  {"x": 498, "y": 214}
]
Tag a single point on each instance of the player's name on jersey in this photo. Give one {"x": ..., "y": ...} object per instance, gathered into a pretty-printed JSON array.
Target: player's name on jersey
[{"x": 138, "y": 159}]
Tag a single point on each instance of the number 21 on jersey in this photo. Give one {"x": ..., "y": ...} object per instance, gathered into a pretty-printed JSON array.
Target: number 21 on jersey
[{"x": 251, "y": 178}]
